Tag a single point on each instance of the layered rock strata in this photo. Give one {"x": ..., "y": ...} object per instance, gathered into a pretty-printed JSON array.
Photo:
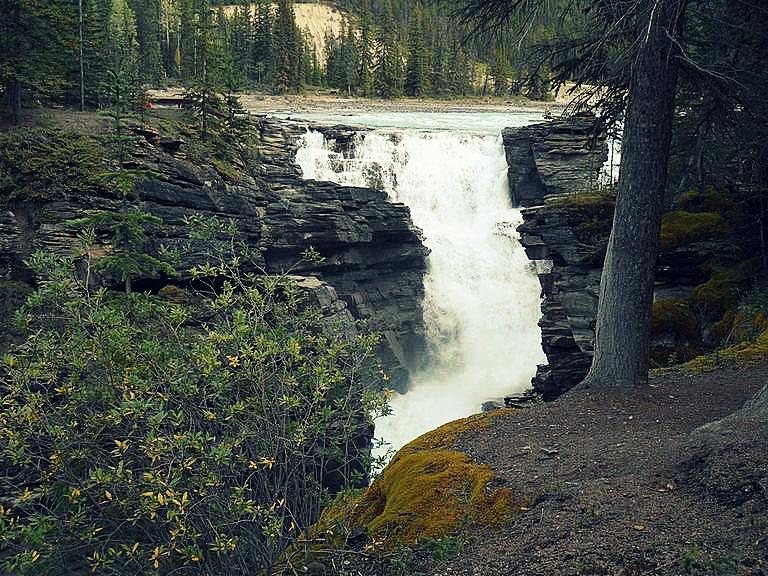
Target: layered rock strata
[
  {"x": 373, "y": 258},
  {"x": 553, "y": 171},
  {"x": 556, "y": 158}
]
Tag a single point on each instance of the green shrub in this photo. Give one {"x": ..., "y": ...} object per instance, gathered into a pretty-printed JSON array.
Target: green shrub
[{"x": 142, "y": 435}]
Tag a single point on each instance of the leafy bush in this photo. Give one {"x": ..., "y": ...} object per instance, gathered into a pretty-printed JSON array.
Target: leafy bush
[{"x": 148, "y": 435}]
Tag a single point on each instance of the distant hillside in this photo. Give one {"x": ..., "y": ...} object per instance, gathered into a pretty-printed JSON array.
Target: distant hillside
[{"x": 320, "y": 19}]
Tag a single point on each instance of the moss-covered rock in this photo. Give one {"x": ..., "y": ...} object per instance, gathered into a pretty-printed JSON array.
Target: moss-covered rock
[
  {"x": 676, "y": 333},
  {"x": 682, "y": 228},
  {"x": 48, "y": 163},
  {"x": 428, "y": 490},
  {"x": 754, "y": 351},
  {"x": 708, "y": 200},
  {"x": 673, "y": 316},
  {"x": 714, "y": 298}
]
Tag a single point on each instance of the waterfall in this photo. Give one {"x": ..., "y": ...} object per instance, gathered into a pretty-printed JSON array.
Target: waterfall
[{"x": 482, "y": 300}]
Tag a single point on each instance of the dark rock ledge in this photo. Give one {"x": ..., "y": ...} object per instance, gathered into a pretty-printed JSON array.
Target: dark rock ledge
[
  {"x": 374, "y": 257},
  {"x": 553, "y": 169}
]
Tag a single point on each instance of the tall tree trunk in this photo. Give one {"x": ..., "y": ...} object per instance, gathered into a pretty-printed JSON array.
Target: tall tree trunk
[{"x": 623, "y": 327}]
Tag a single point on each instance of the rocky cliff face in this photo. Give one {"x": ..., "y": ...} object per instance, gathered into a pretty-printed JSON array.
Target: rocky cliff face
[
  {"x": 552, "y": 169},
  {"x": 556, "y": 158},
  {"x": 374, "y": 259}
]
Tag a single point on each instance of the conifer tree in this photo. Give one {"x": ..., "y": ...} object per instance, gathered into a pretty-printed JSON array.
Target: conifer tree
[
  {"x": 127, "y": 258},
  {"x": 242, "y": 40},
  {"x": 147, "y": 14},
  {"x": 416, "y": 73},
  {"x": 36, "y": 50},
  {"x": 365, "y": 71},
  {"x": 388, "y": 60},
  {"x": 263, "y": 46},
  {"x": 287, "y": 60}
]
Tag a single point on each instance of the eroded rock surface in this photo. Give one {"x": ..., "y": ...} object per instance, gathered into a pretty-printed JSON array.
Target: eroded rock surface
[
  {"x": 553, "y": 167},
  {"x": 374, "y": 260},
  {"x": 555, "y": 158}
]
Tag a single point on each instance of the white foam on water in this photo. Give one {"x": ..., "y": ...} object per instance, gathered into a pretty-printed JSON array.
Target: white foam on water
[{"x": 482, "y": 298}]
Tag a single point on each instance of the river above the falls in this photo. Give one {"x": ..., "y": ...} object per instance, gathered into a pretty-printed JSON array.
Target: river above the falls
[{"x": 482, "y": 296}]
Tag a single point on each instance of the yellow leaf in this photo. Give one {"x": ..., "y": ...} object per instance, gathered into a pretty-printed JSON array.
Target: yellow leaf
[{"x": 108, "y": 494}]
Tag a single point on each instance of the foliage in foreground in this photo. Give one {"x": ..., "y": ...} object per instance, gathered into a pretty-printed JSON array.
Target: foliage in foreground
[{"x": 192, "y": 433}]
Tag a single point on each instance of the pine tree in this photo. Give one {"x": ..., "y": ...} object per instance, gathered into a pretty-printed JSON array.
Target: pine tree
[
  {"x": 127, "y": 258},
  {"x": 242, "y": 40},
  {"x": 365, "y": 71},
  {"x": 416, "y": 73},
  {"x": 389, "y": 64},
  {"x": 38, "y": 39},
  {"x": 263, "y": 46},
  {"x": 147, "y": 14},
  {"x": 499, "y": 71},
  {"x": 185, "y": 47},
  {"x": 287, "y": 43}
]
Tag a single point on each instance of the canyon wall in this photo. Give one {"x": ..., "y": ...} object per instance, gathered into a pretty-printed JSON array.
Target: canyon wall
[
  {"x": 373, "y": 258},
  {"x": 553, "y": 172}
]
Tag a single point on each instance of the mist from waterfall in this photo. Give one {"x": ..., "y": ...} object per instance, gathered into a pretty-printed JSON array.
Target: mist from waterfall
[{"x": 482, "y": 300}]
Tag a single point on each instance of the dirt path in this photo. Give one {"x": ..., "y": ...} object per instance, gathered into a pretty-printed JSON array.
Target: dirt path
[{"x": 618, "y": 489}]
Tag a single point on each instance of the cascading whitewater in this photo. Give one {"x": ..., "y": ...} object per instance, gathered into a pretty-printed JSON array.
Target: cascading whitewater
[{"x": 482, "y": 302}]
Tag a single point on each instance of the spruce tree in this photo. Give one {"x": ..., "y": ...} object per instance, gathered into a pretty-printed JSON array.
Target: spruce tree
[
  {"x": 365, "y": 71},
  {"x": 242, "y": 40},
  {"x": 38, "y": 39},
  {"x": 263, "y": 45},
  {"x": 416, "y": 73},
  {"x": 147, "y": 13},
  {"x": 288, "y": 46},
  {"x": 389, "y": 65}
]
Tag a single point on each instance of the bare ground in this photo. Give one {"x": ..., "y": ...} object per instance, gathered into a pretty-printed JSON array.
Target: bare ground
[
  {"x": 323, "y": 101},
  {"x": 620, "y": 486}
]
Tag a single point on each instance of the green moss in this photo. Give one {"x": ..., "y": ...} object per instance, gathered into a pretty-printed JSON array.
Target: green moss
[
  {"x": 708, "y": 200},
  {"x": 225, "y": 169},
  {"x": 742, "y": 354},
  {"x": 428, "y": 490},
  {"x": 681, "y": 228},
  {"x": 674, "y": 317},
  {"x": 723, "y": 328},
  {"x": 720, "y": 293}
]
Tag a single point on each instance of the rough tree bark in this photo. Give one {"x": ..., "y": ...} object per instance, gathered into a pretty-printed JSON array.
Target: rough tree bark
[{"x": 623, "y": 326}]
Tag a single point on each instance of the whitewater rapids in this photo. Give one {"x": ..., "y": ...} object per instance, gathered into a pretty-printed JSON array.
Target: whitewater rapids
[{"x": 482, "y": 297}]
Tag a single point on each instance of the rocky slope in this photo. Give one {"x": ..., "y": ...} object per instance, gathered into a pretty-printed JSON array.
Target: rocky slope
[{"x": 374, "y": 259}]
